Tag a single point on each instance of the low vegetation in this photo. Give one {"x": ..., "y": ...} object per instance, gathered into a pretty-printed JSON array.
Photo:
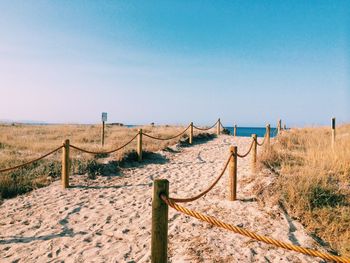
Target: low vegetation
[
  {"x": 22, "y": 143},
  {"x": 313, "y": 182}
]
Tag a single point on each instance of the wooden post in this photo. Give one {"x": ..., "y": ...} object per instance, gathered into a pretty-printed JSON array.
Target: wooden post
[
  {"x": 333, "y": 132},
  {"x": 139, "y": 145},
  {"x": 235, "y": 130},
  {"x": 191, "y": 133},
  {"x": 268, "y": 135},
  {"x": 218, "y": 127},
  {"x": 284, "y": 127},
  {"x": 159, "y": 238},
  {"x": 232, "y": 194},
  {"x": 65, "y": 164},
  {"x": 279, "y": 126},
  {"x": 254, "y": 151}
]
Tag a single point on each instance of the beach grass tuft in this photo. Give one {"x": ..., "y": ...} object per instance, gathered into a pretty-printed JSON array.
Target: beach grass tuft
[{"x": 313, "y": 181}]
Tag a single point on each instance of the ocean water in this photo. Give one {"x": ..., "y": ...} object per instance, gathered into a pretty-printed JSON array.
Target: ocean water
[
  {"x": 242, "y": 131},
  {"x": 248, "y": 131}
]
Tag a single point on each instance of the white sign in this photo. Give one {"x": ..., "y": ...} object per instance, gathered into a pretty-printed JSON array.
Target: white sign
[{"x": 104, "y": 116}]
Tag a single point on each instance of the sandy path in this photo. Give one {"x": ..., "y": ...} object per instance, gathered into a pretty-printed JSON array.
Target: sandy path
[{"x": 109, "y": 219}]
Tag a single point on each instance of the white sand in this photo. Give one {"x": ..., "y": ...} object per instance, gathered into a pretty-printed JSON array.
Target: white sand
[{"x": 109, "y": 219}]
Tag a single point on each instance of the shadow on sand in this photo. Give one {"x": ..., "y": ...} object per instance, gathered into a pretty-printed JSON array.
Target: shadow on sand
[
  {"x": 198, "y": 139},
  {"x": 131, "y": 160},
  {"x": 65, "y": 231}
]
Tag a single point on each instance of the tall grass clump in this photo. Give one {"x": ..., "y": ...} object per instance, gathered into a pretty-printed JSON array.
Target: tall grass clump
[{"x": 313, "y": 181}]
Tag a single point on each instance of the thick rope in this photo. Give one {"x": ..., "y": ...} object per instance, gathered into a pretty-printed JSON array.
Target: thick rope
[
  {"x": 263, "y": 141},
  {"x": 104, "y": 152},
  {"x": 205, "y": 129},
  {"x": 32, "y": 161},
  {"x": 190, "y": 199},
  {"x": 246, "y": 154},
  {"x": 250, "y": 234},
  {"x": 166, "y": 139}
]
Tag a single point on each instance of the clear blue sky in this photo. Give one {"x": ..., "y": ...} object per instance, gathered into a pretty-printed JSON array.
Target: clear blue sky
[{"x": 248, "y": 62}]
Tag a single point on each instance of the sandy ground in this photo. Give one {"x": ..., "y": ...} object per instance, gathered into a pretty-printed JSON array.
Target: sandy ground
[{"x": 109, "y": 219}]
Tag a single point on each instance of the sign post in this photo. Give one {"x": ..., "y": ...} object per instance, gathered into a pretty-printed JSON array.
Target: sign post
[{"x": 104, "y": 119}]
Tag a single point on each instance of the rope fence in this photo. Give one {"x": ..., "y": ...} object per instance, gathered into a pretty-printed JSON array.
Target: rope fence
[
  {"x": 248, "y": 152},
  {"x": 262, "y": 143},
  {"x": 30, "y": 162},
  {"x": 161, "y": 202},
  {"x": 190, "y": 199},
  {"x": 161, "y": 199},
  {"x": 105, "y": 152},
  {"x": 66, "y": 146},
  {"x": 66, "y": 150},
  {"x": 139, "y": 135},
  {"x": 244, "y": 232},
  {"x": 207, "y": 129},
  {"x": 167, "y": 139}
]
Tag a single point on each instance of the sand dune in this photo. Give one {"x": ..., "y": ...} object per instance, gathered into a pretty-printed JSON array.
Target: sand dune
[{"x": 109, "y": 219}]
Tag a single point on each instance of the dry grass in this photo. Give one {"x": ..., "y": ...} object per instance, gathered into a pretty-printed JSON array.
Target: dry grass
[
  {"x": 313, "y": 181},
  {"x": 21, "y": 143}
]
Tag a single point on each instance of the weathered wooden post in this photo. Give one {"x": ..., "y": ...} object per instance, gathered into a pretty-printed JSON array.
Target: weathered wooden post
[
  {"x": 284, "y": 127},
  {"x": 65, "y": 164},
  {"x": 191, "y": 133},
  {"x": 159, "y": 238},
  {"x": 139, "y": 146},
  {"x": 218, "y": 127},
  {"x": 279, "y": 126},
  {"x": 254, "y": 137},
  {"x": 235, "y": 130},
  {"x": 268, "y": 134},
  {"x": 232, "y": 194},
  {"x": 333, "y": 132}
]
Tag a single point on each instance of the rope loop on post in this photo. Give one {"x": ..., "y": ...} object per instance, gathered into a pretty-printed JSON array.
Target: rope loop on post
[
  {"x": 190, "y": 199},
  {"x": 263, "y": 141},
  {"x": 246, "y": 154},
  {"x": 206, "y": 129},
  {"x": 166, "y": 139}
]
